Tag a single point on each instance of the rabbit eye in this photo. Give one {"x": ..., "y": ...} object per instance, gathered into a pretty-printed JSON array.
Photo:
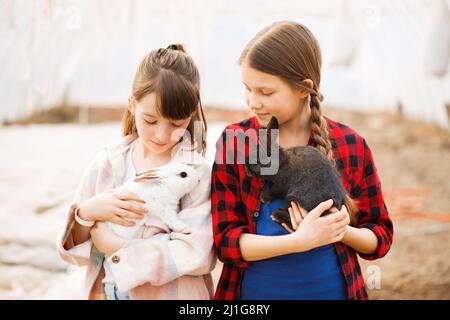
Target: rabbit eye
[{"x": 183, "y": 174}]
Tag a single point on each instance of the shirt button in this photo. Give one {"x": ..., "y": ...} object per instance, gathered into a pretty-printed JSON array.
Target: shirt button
[
  {"x": 115, "y": 259},
  {"x": 255, "y": 214}
]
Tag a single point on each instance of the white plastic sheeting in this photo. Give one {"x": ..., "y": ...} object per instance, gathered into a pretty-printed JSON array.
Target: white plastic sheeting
[
  {"x": 388, "y": 69},
  {"x": 345, "y": 37},
  {"x": 376, "y": 53},
  {"x": 437, "y": 55}
]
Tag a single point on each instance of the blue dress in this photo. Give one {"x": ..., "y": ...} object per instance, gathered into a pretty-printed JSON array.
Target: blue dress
[{"x": 312, "y": 275}]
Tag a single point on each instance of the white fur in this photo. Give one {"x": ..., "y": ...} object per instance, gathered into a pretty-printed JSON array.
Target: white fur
[{"x": 162, "y": 191}]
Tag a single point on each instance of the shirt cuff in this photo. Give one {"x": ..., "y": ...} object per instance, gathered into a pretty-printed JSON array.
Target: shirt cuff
[
  {"x": 122, "y": 270},
  {"x": 381, "y": 249},
  {"x": 232, "y": 253}
]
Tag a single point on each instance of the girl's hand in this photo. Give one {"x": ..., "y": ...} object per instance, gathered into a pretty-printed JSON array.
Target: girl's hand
[
  {"x": 105, "y": 240},
  {"x": 114, "y": 207},
  {"x": 312, "y": 231}
]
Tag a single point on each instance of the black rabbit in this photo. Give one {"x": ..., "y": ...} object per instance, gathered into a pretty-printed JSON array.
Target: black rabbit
[{"x": 304, "y": 175}]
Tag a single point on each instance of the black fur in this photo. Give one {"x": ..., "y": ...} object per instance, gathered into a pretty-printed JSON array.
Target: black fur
[{"x": 305, "y": 175}]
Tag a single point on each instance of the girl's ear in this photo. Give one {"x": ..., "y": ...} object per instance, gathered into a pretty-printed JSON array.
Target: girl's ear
[
  {"x": 131, "y": 105},
  {"x": 302, "y": 93}
]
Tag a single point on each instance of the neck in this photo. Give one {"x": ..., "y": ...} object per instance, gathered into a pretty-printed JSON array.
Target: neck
[
  {"x": 143, "y": 153},
  {"x": 296, "y": 131}
]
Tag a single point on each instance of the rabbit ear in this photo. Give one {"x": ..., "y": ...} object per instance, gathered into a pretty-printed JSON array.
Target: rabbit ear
[
  {"x": 273, "y": 124},
  {"x": 146, "y": 176},
  {"x": 271, "y": 134}
]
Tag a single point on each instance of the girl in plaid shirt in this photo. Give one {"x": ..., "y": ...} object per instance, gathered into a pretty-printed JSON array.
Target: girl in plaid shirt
[
  {"x": 164, "y": 122},
  {"x": 280, "y": 69}
]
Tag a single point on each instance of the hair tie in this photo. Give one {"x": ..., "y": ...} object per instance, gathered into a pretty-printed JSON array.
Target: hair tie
[
  {"x": 172, "y": 47},
  {"x": 318, "y": 95}
]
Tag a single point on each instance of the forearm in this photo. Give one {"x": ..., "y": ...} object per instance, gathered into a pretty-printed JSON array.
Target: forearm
[
  {"x": 80, "y": 233},
  {"x": 361, "y": 239},
  {"x": 256, "y": 247}
]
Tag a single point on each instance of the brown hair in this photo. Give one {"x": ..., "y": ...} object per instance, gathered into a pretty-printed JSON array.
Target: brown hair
[
  {"x": 173, "y": 75},
  {"x": 290, "y": 51}
]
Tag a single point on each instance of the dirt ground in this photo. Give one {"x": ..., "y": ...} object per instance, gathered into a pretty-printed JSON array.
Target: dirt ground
[{"x": 413, "y": 162}]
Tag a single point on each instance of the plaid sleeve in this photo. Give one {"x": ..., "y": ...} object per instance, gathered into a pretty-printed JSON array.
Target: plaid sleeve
[
  {"x": 227, "y": 208},
  {"x": 372, "y": 212}
]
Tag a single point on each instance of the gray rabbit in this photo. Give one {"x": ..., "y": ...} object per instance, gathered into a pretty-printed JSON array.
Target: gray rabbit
[{"x": 304, "y": 175}]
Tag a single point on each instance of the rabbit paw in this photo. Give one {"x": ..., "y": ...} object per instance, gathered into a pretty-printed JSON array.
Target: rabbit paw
[{"x": 281, "y": 216}]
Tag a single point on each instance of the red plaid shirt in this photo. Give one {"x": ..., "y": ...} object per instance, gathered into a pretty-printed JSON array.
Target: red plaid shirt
[{"x": 235, "y": 200}]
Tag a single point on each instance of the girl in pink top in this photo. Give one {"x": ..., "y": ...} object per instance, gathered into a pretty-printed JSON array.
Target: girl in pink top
[{"x": 164, "y": 121}]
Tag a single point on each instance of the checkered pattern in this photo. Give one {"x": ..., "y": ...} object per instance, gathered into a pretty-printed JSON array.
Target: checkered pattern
[{"x": 235, "y": 199}]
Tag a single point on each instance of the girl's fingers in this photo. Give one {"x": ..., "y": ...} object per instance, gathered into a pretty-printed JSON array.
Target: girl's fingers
[
  {"x": 334, "y": 218},
  {"x": 303, "y": 212},
  {"x": 287, "y": 228},
  {"x": 339, "y": 227},
  {"x": 122, "y": 221},
  {"x": 129, "y": 196},
  {"x": 128, "y": 215},
  {"x": 344, "y": 209},
  {"x": 341, "y": 217},
  {"x": 141, "y": 210},
  {"x": 338, "y": 237},
  {"x": 321, "y": 208},
  {"x": 297, "y": 212},
  {"x": 339, "y": 231},
  {"x": 293, "y": 219},
  {"x": 333, "y": 210},
  {"x": 341, "y": 224}
]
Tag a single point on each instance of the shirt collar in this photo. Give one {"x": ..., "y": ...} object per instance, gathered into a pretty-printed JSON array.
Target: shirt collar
[{"x": 183, "y": 152}]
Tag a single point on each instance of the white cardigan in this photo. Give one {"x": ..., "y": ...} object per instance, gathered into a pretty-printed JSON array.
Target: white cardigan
[{"x": 160, "y": 264}]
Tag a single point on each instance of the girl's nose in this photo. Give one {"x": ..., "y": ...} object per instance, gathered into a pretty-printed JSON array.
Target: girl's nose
[
  {"x": 253, "y": 103},
  {"x": 255, "y": 107},
  {"x": 163, "y": 135}
]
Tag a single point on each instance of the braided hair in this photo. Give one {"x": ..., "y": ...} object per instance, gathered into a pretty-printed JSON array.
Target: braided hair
[{"x": 290, "y": 51}]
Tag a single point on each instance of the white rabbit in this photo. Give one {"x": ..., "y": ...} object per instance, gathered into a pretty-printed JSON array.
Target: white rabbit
[{"x": 162, "y": 190}]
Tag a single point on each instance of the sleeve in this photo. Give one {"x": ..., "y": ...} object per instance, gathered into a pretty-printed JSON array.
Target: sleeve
[
  {"x": 79, "y": 254},
  {"x": 228, "y": 211},
  {"x": 373, "y": 213},
  {"x": 167, "y": 256}
]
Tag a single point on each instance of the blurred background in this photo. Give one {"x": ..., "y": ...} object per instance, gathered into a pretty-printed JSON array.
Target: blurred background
[{"x": 67, "y": 68}]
